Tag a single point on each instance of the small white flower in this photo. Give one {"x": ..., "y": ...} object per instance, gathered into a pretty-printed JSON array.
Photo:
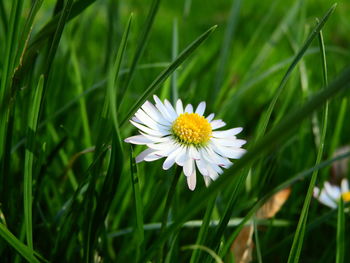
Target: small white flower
[
  {"x": 330, "y": 194},
  {"x": 185, "y": 137}
]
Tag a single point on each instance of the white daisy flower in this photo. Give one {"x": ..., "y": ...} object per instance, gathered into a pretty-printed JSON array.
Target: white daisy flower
[
  {"x": 330, "y": 194},
  {"x": 185, "y": 137}
]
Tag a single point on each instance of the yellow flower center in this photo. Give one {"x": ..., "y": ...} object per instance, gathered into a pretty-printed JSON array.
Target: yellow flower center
[
  {"x": 191, "y": 128},
  {"x": 346, "y": 196}
]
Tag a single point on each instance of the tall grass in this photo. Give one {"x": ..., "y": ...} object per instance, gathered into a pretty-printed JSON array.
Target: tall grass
[{"x": 74, "y": 72}]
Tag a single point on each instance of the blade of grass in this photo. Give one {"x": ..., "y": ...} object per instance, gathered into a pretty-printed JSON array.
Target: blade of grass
[
  {"x": 139, "y": 230},
  {"x": 174, "y": 53},
  {"x": 226, "y": 45},
  {"x": 265, "y": 120},
  {"x": 278, "y": 188},
  {"x": 29, "y": 160},
  {"x": 206, "y": 249},
  {"x": 116, "y": 161},
  {"x": 114, "y": 74},
  {"x": 203, "y": 232},
  {"x": 21, "y": 248},
  {"x": 142, "y": 42},
  {"x": 340, "y": 252},
  {"x": 263, "y": 146},
  {"x": 300, "y": 231},
  {"x": 166, "y": 73},
  {"x": 39, "y": 39},
  {"x": 285, "y": 78}
]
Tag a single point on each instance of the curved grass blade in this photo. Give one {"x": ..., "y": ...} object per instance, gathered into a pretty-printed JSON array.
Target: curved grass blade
[
  {"x": 278, "y": 188},
  {"x": 265, "y": 121},
  {"x": 285, "y": 78},
  {"x": 29, "y": 160},
  {"x": 300, "y": 231},
  {"x": 116, "y": 161},
  {"x": 21, "y": 248},
  {"x": 206, "y": 249},
  {"x": 263, "y": 146},
  {"x": 167, "y": 72},
  {"x": 114, "y": 73}
]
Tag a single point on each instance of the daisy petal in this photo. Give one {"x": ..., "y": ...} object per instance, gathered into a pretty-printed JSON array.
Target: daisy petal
[
  {"x": 162, "y": 109},
  {"x": 201, "y": 108},
  {"x": 326, "y": 200},
  {"x": 210, "y": 117},
  {"x": 170, "y": 109},
  {"x": 216, "y": 124},
  {"x": 344, "y": 185},
  {"x": 227, "y": 133},
  {"x": 188, "y": 167},
  {"x": 182, "y": 156},
  {"x": 207, "y": 180},
  {"x": 143, "y": 154},
  {"x": 189, "y": 108},
  {"x": 179, "y": 107},
  {"x": 149, "y": 130},
  {"x": 332, "y": 191},
  {"x": 154, "y": 113},
  {"x": 192, "y": 180},
  {"x": 138, "y": 139}
]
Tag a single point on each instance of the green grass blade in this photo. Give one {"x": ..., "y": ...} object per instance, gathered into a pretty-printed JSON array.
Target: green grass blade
[
  {"x": 203, "y": 232},
  {"x": 142, "y": 42},
  {"x": 29, "y": 160},
  {"x": 265, "y": 145},
  {"x": 114, "y": 73},
  {"x": 139, "y": 230},
  {"x": 206, "y": 249},
  {"x": 226, "y": 44},
  {"x": 300, "y": 231},
  {"x": 340, "y": 252},
  {"x": 57, "y": 36},
  {"x": 21, "y": 248},
  {"x": 167, "y": 72},
  {"x": 285, "y": 78},
  {"x": 266, "y": 197},
  {"x": 174, "y": 53}
]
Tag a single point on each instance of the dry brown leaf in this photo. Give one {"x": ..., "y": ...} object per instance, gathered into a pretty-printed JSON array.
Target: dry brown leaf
[
  {"x": 242, "y": 247},
  {"x": 274, "y": 204}
]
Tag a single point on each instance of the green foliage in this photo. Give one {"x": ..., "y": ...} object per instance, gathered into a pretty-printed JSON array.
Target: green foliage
[{"x": 74, "y": 72}]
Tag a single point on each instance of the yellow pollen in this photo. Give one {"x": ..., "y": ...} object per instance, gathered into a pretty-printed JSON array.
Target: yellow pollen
[
  {"x": 346, "y": 196},
  {"x": 191, "y": 128}
]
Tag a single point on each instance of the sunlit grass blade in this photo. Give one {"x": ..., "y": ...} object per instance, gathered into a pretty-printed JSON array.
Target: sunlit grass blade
[
  {"x": 340, "y": 252},
  {"x": 29, "y": 160},
  {"x": 300, "y": 231},
  {"x": 142, "y": 42},
  {"x": 263, "y": 146},
  {"x": 167, "y": 72},
  {"x": 285, "y": 78},
  {"x": 21, "y": 248}
]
